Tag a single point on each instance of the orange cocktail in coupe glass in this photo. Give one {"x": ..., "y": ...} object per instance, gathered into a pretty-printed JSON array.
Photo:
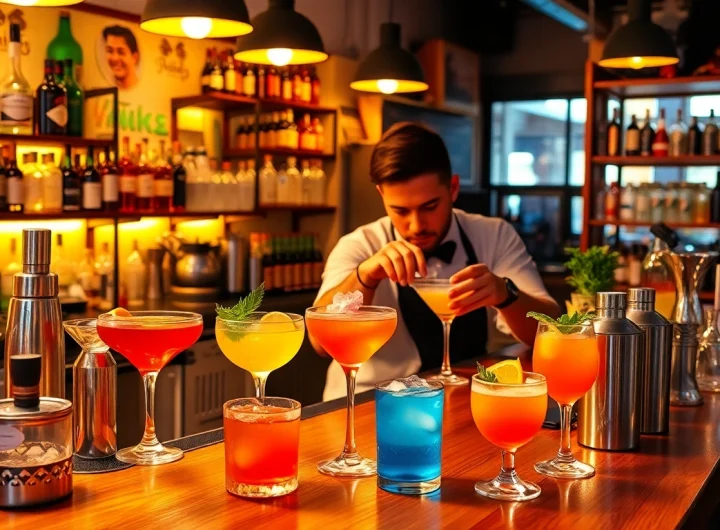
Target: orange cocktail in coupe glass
[
  {"x": 567, "y": 355},
  {"x": 149, "y": 340},
  {"x": 509, "y": 416},
  {"x": 351, "y": 338}
]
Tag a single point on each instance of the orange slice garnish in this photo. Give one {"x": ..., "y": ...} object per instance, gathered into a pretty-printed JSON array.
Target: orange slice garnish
[{"x": 120, "y": 312}]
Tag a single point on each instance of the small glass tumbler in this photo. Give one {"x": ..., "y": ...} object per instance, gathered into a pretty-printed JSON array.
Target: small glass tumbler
[
  {"x": 409, "y": 416},
  {"x": 262, "y": 443}
]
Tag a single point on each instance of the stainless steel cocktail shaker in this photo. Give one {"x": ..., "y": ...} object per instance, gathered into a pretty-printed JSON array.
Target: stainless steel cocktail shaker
[
  {"x": 657, "y": 350},
  {"x": 34, "y": 324},
  {"x": 609, "y": 414}
]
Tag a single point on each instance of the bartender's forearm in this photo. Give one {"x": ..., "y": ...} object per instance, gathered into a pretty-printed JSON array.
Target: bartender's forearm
[
  {"x": 348, "y": 285},
  {"x": 522, "y": 327}
]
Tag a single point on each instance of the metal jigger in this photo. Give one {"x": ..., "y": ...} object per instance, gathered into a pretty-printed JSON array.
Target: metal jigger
[
  {"x": 689, "y": 269},
  {"x": 94, "y": 392}
]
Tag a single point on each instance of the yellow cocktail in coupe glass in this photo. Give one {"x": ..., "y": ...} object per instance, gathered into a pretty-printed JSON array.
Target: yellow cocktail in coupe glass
[{"x": 435, "y": 293}]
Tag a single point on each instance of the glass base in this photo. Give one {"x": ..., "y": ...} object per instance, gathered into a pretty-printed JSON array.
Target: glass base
[
  {"x": 409, "y": 488},
  {"x": 506, "y": 489},
  {"x": 558, "y": 469},
  {"x": 346, "y": 466},
  {"x": 149, "y": 455},
  {"x": 449, "y": 380},
  {"x": 261, "y": 490}
]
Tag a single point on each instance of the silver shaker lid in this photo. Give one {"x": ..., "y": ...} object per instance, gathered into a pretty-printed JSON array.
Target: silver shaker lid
[
  {"x": 36, "y": 280},
  {"x": 610, "y": 300},
  {"x": 610, "y": 311},
  {"x": 641, "y": 308}
]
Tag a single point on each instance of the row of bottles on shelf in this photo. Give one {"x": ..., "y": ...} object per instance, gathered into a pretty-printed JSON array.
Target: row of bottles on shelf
[
  {"x": 279, "y": 130},
  {"x": 673, "y": 202},
  {"x": 290, "y": 185},
  {"x": 222, "y": 72},
  {"x": 285, "y": 262},
  {"x": 679, "y": 140},
  {"x": 219, "y": 190},
  {"x": 55, "y": 108}
]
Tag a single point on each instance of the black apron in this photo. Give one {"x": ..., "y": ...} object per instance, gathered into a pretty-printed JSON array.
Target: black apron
[{"x": 468, "y": 333}]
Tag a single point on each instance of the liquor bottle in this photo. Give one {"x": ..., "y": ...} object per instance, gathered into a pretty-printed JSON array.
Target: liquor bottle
[
  {"x": 127, "y": 182},
  {"x": 239, "y": 75},
  {"x": 72, "y": 186},
  {"x": 320, "y": 134},
  {"x": 145, "y": 178},
  {"x": 272, "y": 83},
  {"x": 8, "y": 273},
  {"x": 163, "y": 182},
  {"x": 135, "y": 272},
  {"x": 268, "y": 262},
  {"x": 308, "y": 139},
  {"x": 307, "y": 183},
  {"x": 53, "y": 184},
  {"x": 51, "y": 103},
  {"x": 240, "y": 134},
  {"x": 92, "y": 192},
  {"x": 272, "y": 133},
  {"x": 632, "y": 138},
  {"x": 279, "y": 268},
  {"x": 306, "y": 86},
  {"x": 249, "y": 82},
  {"x": 613, "y": 134},
  {"x": 217, "y": 79},
  {"x": 281, "y": 133},
  {"x": 715, "y": 201},
  {"x": 291, "y": 135},
  {"x": 262, "y": 131},
  {"x": 251, "y": 133},
  {"x": 75, "y": 100},
  {"x": 678, "y": 137},
  {"x": 3, "y": 178},
  {"x": 34, "y": 183},
  {"x": 15, "y": 188},
  {"x": 261, "y": 89},
  {"x": 206, "y": 72},
  {"x": 320, "y": 183},
  {"x": 612, "y": 202},
  {"x": 294, "y": 181},
  {"x": 297, "y": 81},
  {"x": 661, "y": 142},
  {"x": 647, "y": 136},
  {"x": 315, "y": 89},
  {"x": 110, "y": 176},
  {"x": 694, "y": 138},
  {"x": 229, "y": 76},
  {"x": 710, "y": 136},
  {"x": 179, "y": 179},
  {"x": 61, "y": 264},
  {"x": 286, "y": 85},
  {"x": 267, "y": 182},
  {"x": 104, "y": 269},
  {"x": 64, "y": 46},
  {"x": 88, "y": 278},
  {"x": 16, "y": 96}
]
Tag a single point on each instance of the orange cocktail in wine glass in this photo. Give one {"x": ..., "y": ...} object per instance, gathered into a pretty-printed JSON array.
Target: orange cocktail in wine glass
[{"x": 351, "y": 338}]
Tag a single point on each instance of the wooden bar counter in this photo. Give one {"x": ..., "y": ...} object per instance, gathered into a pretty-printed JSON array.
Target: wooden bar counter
[{"x": 672, "y": 482}]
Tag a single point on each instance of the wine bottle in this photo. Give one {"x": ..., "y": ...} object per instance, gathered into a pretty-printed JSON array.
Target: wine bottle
[
  {"x": 64, "y": 46},
  {"x": 16, "y": 96},
  {"x": 710, "y": 136},
  {"x": 91, "y": 184},
  {"x": 647, "y": 136},
  {"x": 51, "y": 103},
  {"x": 72, "y": 187},
  {"x": 661, "y": 142}
]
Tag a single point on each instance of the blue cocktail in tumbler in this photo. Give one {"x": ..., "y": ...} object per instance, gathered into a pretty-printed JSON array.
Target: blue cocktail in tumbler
[{"x": 409, "y": 415}]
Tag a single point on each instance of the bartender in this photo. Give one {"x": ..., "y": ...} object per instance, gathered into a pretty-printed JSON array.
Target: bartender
[{"x": 485, "y": 259}]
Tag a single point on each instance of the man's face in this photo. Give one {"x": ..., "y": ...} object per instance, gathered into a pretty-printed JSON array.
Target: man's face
[
  {"x": 421, "y": 208},
  {"x": 119, "y": 57}
]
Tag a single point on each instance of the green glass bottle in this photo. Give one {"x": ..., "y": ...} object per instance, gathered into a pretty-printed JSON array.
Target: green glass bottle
[
  {"x": 75, "y": 101},
  {"x": 64, "y": 46}
]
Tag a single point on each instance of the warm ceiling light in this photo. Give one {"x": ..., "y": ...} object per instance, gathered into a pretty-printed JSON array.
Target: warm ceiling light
[
  {"x": 640, "y": 43},
  {"x": 389, "y": 69},
  {"x": 41, "y": 3},
  {"x": 197, "y": 19},
  {"x": 281, "y": 36}
]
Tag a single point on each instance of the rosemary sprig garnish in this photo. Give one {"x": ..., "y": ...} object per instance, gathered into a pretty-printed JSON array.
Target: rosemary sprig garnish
[
  {"x": 485, "y": 375},
  {"x": 566, "y": 324},
  {"x": 241, "y": 311}
]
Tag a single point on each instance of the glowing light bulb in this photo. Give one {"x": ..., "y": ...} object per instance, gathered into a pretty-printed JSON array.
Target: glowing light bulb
[
  {"x": 637, "y": 62},
  {"x": 196, "y": 27},
  {"x": 387, "y": 86},
  {"x": 280, "y": 56},
  {"x": 25, "y": 3}
]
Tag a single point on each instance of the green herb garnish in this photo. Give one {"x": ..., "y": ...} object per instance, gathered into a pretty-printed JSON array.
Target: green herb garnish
[
  {"x": 566, "y": 324},
  {"x": 592, "y": 271},
  {"x": 244, "y": 307},
  {"x": 486, "y": 376}
]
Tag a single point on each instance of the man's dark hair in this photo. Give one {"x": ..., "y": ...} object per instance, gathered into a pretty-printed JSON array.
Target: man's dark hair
[
  {"x": 408, "y": 150},
  {"x": 122, "y": 32}
]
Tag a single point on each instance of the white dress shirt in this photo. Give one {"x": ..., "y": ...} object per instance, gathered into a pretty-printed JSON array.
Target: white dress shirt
[{"x": 496, "y": 244}]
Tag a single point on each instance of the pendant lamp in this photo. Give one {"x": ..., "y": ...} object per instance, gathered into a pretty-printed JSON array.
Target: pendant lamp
[
  {"x": 197, "y": 19},
  {"x": 41, "y": 3},
  {"x": 281, "y": 36},
  {"x": 389, "y": 69},
  {"x": 640, "y": 43}
]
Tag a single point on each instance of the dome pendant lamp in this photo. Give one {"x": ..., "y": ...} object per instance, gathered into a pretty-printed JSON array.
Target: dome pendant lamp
[
  {"x": 197, "y": 19},
  {"x": 41, "y": 3},
  {"x": 389, "y": 69},
  {"x": 281, "y": 36},
  {"x": 640, "y": 43}
]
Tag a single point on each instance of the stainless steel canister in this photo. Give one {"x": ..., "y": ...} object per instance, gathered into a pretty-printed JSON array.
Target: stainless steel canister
[
  {"x": 657, "y": 352},
  {"x": 237, "y": 260},
  {"x": 155, "y": 286},
  {"x": 609, "y": 414}
]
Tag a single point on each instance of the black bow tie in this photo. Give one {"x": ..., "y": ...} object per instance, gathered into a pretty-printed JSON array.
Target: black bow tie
[{"x": 443, "y": 252}]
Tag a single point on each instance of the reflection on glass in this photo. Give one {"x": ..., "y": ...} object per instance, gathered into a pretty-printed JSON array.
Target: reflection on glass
[
  {"x": 578, "y": 116},
  {"x": 537, "y": 219}
]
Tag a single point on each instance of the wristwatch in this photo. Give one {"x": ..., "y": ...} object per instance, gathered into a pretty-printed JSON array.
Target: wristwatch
[{"x": 513, "y": 294}]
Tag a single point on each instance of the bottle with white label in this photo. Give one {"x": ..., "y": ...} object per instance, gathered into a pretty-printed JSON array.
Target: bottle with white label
[
  {"x": 16, "y": 95},
  {"x": 15, "y": 187},
  {"x": 110, "y": 176},
  {"x": 135, "y": 274},
  {"x": 34, "y": 183},
  {"x": 53, "y": 184},
  {"x": 268, "y": 182},
  {"x": 91, "y": 185},
  {"x": 145, "y": 179}
]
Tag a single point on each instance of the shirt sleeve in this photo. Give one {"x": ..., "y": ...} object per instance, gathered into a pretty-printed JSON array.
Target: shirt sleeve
[
  {"x": 350, "y": 251},
  {"x": 513, "y": 261}
]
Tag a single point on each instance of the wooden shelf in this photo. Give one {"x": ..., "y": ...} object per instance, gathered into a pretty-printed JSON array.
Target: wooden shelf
[
  {"x": 74, "y": 141},
  {"x": 604, "y": 222},
  {"x": 279, "y": 151},
  {"x": 215, "y": 101},
  {"x": 661, "y": 87},
  {"x": 281, "y": 104},
  {"x": 668, "y": 161},
  {"x": 308, "y": 209}
]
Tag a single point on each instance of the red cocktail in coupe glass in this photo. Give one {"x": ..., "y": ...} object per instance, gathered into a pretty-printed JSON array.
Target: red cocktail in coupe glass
[{"x": 149, "y": 340}]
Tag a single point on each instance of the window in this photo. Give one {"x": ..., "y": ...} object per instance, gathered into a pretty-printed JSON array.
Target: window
[{"x": 537, "y": 169}]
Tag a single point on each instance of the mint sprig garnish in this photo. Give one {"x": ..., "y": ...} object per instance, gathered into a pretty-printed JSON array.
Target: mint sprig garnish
[
  {"x": 244, "y": 307},
  {"x": 485, "y": 375},
  {"x": 566, "y": 324}
]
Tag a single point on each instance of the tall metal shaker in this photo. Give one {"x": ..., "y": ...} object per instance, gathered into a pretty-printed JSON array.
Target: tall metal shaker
[
  {"x": 34, "y": 323},
  {"x": 155, "y": 285},
  {"x": 657, "y": 351},
  {"x": 609, "y": 414},
  {"x": 237, "y": 260}
]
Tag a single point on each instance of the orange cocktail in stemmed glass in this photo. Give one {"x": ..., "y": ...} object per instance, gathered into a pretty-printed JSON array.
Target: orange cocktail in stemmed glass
[
  {"x": 567, "y": 355},
  {"x": 351, "y": 338}
]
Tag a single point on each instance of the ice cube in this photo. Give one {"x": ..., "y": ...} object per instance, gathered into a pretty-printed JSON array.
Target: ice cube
[
  {"x": 346, "y": 302},
  {"x": 415, "y": 381},
  {"x": 421, "y": 420},
  {"x": 395, "y": 386}
]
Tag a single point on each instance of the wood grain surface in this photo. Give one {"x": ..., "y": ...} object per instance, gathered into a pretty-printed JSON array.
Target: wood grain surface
[{"x": 670, "y": 482}]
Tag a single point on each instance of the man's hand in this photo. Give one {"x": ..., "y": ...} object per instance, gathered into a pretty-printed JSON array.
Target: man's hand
[
  {"x": 475, "y": 287},
  {"x": 398, "y": 260}
]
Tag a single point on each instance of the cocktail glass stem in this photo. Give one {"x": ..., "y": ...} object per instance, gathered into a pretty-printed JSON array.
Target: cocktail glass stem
[
  {"x": 507, "y": 470},
  {"x": 445, "y": 369},
  {"x": 149, "y": 439},
  {"x": 260, "y": 380},
  {"x": 565, "y": 453},
  {"x": 350, "y": 449},
  {"x": 565, "y": 465}
]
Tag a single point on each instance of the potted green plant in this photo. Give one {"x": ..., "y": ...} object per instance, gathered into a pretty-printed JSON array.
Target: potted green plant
[{"x": 591, "y": 272}]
